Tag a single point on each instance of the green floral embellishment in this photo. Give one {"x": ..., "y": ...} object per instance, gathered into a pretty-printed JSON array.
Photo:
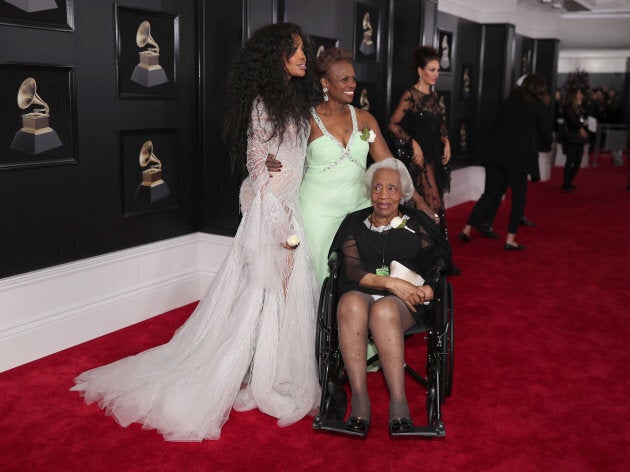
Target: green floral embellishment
[{"x": 368, "y": 135}]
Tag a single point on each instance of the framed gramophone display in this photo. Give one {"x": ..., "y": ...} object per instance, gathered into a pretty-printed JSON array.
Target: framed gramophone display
[
  {"x": 367, "y": 33},
  {"x": 147, "y": 51},
  {"x": 37, "y": 115},
  {"x": 365, "y": 97},
  {"x": 150, "y": 169},
  {"x": 48, "y": 14},
  {"x": 321, "y": 43}
]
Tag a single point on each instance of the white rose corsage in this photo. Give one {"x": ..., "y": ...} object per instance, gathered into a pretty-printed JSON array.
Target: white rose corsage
[
  {"x": 368, "y": 135},
  {"x": 398, "y": 223},
  {"x": 293, "y": 240}
]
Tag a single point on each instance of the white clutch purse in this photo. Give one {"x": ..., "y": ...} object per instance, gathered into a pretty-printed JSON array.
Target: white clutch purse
[{"x": 396, "y": 269}]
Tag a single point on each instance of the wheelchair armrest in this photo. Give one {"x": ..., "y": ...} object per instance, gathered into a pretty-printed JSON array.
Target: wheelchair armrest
[
  {"x": 334, "y": 262},
  {"x": 439, "y": 265}
]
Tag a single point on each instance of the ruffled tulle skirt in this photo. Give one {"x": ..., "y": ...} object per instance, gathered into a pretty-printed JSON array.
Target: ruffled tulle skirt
[{"x": 248, "y": 344}]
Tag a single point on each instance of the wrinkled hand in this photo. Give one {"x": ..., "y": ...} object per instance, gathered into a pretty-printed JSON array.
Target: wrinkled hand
[
  {"x": 409, "y": 293},
  {"x": 272, "y": 164}
]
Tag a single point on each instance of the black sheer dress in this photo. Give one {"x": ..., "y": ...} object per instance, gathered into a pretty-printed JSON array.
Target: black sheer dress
[
  {"x": 366, "y": 248},
  {"x": 424, "y": 121}
]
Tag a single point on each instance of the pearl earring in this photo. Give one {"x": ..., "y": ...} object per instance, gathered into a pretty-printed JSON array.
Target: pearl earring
[{"x": 325, "y": 90}]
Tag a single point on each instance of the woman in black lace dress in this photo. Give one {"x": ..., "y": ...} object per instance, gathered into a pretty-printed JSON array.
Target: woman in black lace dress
[
  {"x": 419, "y": 127},
  {"x": 419, "y": 123}
]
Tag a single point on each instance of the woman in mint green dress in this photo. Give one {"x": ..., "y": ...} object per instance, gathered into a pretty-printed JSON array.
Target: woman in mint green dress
[{"x": 336, "y": 156}]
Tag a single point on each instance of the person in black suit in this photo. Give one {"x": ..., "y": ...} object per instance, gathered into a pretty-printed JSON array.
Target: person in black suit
[{"x": 522, "y": 127}]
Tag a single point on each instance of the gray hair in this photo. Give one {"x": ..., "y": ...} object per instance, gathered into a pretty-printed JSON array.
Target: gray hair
[{"x": 398, "y": 166}]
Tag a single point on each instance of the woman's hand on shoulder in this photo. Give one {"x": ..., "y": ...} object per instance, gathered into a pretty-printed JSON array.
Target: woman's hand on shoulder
[{"x": 273, "y": 165}]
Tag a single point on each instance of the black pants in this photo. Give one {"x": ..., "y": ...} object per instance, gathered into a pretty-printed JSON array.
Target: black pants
[
  {"x": 572, "y": 163},
  {"x": 497, "y": 181}
]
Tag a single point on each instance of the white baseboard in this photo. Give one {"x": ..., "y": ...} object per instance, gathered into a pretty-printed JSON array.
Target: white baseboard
[
  {"x": 48, "y": 310},
  {"x": 466, "y": 184}
]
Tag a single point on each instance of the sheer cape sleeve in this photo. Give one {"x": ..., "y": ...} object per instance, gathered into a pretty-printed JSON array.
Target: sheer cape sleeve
[
  {"x": 435, "y": 249},
  {"x": 273, "y": 196}
]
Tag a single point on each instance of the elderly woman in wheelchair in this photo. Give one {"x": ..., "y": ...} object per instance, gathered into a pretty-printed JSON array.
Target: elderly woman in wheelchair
[{"x": 374, "y": 302}]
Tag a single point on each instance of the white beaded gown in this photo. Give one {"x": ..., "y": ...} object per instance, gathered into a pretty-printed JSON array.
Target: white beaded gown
[{"x": 250, "y": 341}]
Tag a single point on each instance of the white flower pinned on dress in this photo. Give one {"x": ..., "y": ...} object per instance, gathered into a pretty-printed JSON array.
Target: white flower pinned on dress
[
  {"x": 293, "y": 240},
  {"x": 398, "y": 223},
  {"x": 368, "y": 135}
]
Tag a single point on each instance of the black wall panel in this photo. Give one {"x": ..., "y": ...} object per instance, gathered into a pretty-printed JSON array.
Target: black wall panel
[
  {"x": 221, "y": 34},
  {"x": 406, "y": 37},
  {"x": 496, "y": 62},
  {"x": 466, "y": 50},
  {"x": 547, "y": 60},
  {"x": 52, "y": 215}
]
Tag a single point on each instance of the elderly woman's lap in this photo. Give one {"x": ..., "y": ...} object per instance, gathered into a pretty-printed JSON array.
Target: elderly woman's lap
[{"x": 361, "y": 308}]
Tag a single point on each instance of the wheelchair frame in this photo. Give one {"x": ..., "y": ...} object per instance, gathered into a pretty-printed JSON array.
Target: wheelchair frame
[{"x": 439, "y": 365}]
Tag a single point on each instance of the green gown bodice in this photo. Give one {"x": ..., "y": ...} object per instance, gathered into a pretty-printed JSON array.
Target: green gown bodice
[{"x": 332, "y": 187}]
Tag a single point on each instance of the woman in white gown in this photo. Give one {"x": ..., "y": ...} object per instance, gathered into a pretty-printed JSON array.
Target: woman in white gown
[{"x": 250, "y": 341}]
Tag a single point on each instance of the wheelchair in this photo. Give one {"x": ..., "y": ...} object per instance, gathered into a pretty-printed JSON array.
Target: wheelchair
[{"x": 438, "y": 378}]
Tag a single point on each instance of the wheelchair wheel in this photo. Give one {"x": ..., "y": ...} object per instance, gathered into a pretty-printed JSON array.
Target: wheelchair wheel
[
  {"x": 439, "y": 365},
  {"x": 323, "y": 339},
  {"x": 449, "y": 343},
  {"x": 335, "y": 400},
  {"x": 434, "y": 399}
]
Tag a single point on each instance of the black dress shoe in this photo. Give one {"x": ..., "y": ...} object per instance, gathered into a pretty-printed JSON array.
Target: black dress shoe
[
  {"x": 527, "y": 222},
  {"x": 513, "y": 247},
  {"x": 358, "y": 425},
  {"x": 463, "y": 237},
  {"x": 400, "y": 425},
  {"x": 567, "y": 188},
  {"x": 486, "y": 230}
]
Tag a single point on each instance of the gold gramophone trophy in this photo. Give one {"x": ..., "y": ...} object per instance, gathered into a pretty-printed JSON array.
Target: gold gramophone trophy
[
  {"x": 148, "y": 72},
  {"x": 152, "y": 187},
  {"x": 36, "y": 135},
  {"x": 34, "y": 5}
]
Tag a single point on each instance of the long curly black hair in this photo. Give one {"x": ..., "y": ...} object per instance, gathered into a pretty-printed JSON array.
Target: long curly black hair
[{"x": 259, "y": 71}]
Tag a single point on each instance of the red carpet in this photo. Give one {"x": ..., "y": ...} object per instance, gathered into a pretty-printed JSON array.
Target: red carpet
[{"x": 541, "y": 367}]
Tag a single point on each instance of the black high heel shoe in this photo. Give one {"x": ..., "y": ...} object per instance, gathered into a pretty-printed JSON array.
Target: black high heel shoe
[
  {"x": 400, "y": 425},
  {"x": 357, "y": 425},
  {"x": 513, "y": 247}
]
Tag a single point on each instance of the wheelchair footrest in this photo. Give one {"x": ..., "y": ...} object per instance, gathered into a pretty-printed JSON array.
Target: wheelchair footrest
[
  {"x": 335, "y": 426},
  {"x": 426, "y": 431}
]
